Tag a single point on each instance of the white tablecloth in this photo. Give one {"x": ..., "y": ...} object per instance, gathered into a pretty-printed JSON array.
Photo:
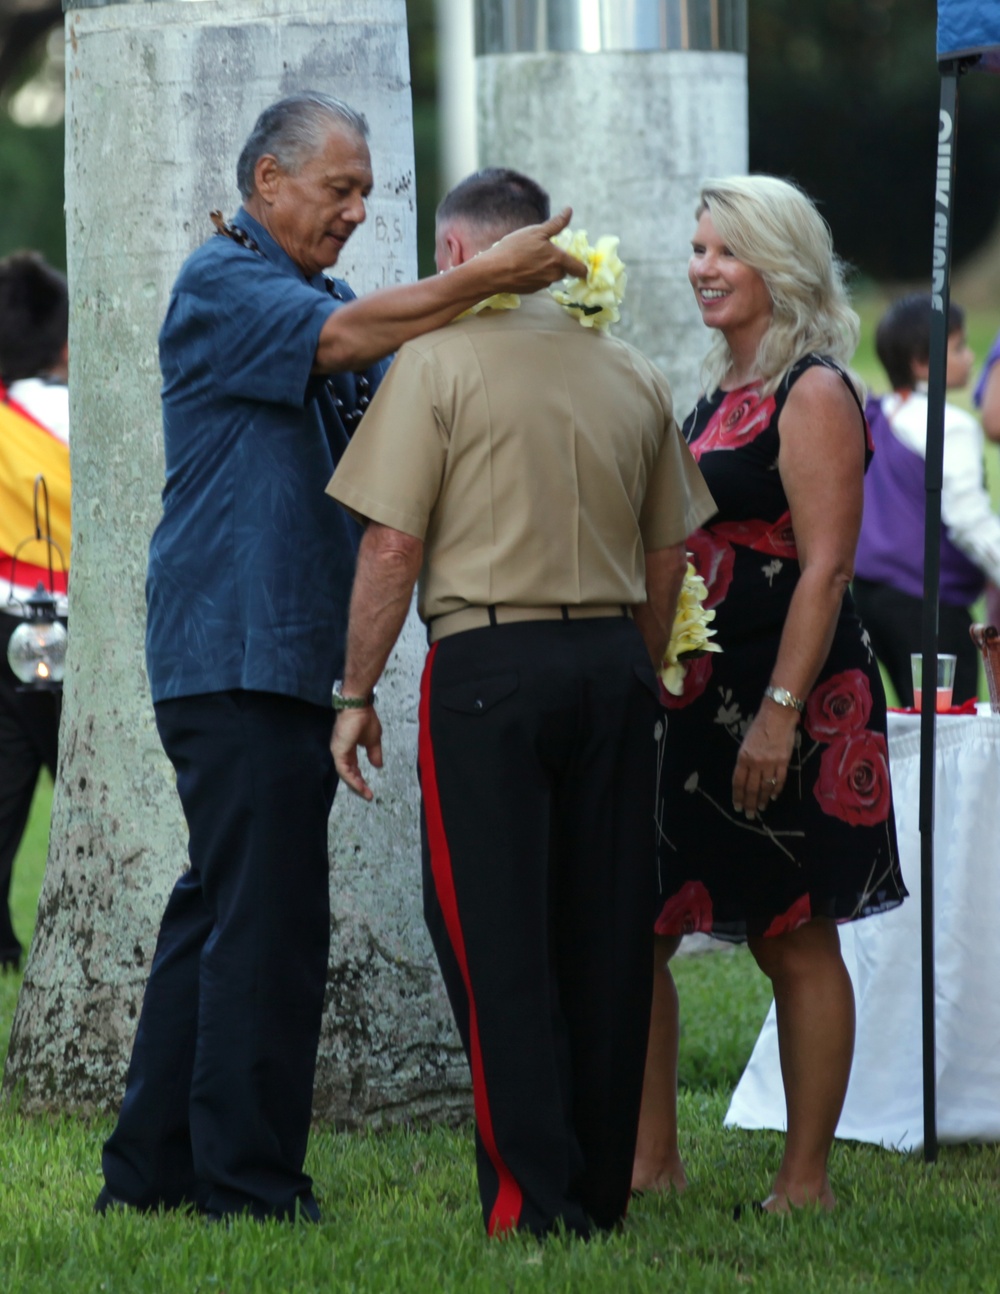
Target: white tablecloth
[{"x": 885, "y": 1098}]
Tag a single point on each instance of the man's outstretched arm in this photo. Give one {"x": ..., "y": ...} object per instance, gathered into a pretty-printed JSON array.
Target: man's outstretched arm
[
  {"x": 373, "y": 326},
  {"x": 389, "y": 562}
]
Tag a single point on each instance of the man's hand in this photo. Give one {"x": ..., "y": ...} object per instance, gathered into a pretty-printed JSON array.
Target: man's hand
[
  {"x": 527, "y": 260},
  {"x": 356, "y": 728}
]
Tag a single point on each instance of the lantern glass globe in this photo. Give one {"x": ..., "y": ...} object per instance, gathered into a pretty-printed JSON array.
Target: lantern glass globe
[{"x": 37, "y": 652}]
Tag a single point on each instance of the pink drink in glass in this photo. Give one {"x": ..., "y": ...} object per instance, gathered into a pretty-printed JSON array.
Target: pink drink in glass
[{"x": 943, "y": 699}]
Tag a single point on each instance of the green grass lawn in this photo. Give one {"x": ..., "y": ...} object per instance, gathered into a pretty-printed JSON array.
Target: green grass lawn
[{"x": 400, "y": 1209}]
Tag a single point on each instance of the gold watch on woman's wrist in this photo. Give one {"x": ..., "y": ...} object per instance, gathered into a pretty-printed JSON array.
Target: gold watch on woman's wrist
[{"x": 782, "y": 696}]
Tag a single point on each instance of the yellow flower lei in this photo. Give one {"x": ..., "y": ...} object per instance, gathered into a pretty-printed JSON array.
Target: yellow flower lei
[
  {"x": 690, "y": 635},
  {"x": 594, "y": 300},
  {"x": 498, "y": 301}
]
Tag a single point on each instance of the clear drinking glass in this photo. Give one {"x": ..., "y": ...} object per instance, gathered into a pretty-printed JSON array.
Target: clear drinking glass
[{"x": 945, "y": 680}]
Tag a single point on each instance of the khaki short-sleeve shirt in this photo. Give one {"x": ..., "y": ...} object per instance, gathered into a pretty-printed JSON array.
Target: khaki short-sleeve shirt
[{"x": 536, "y": 459}]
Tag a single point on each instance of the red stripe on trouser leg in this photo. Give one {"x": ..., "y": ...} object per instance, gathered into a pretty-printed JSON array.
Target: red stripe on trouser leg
[{"x": 507, "y": 1207}]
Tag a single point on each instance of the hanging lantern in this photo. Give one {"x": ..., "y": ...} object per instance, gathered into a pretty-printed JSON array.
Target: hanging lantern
[{"x": 36, "y": 651}]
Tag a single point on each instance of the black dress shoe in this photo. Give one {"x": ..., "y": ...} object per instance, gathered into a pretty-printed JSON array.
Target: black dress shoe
[
  {"x": 304, "y": 1209},
  {"x": 751, "y": 1210},
  {"x": 10, "y": 958},
  {"x": 108, "y": 1203},
  {"x": 307, "y": 1210}
]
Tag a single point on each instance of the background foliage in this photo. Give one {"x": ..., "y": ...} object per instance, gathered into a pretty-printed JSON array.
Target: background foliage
[
  {"x": 31, "y": 189},
  {"x": 843, "y": 98}
]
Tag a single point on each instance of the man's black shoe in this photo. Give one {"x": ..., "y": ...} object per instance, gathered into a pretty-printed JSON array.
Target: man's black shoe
[{"x": 108, "y": 1203}]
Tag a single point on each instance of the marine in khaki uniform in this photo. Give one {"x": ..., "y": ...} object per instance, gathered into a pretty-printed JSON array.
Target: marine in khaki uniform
[{"x": 531, "y": 473}]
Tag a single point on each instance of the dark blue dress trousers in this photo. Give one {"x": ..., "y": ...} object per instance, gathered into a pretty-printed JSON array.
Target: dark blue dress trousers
[{"x": 218, "y": 1101}]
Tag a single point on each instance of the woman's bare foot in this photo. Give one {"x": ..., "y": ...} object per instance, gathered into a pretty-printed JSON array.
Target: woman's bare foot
[
  {"x": 780, "y": 1201},
  {"x": 668, "y": 1176}
]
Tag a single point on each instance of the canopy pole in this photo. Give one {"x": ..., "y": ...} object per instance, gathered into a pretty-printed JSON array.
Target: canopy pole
[{"x": 940, "y": 301}]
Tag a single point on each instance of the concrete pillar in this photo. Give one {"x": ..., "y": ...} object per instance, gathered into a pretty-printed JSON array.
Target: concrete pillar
[
  {"x": 456, "y": 75},
  {"x": 621, "y": 110},
  {"x": 160, "y": 97}
]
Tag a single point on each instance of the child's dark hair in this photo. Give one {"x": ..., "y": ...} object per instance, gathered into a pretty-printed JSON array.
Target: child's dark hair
[
  {"x": 903, "y": 336},
  {"x": 34, "y": 316}
]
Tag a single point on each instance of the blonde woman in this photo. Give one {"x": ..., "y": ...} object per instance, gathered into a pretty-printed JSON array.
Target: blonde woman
[{"x": 777, "y": 814}]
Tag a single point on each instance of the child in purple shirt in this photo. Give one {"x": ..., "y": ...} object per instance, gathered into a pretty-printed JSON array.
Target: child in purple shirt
[{"x": 889, "y": 569}]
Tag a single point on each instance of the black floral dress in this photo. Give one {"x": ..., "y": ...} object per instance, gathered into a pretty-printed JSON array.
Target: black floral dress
[{"x": 827, "y": 845}]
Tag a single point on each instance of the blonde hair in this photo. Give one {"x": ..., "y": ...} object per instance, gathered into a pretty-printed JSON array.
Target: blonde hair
[{"x": 773, "y": 227}]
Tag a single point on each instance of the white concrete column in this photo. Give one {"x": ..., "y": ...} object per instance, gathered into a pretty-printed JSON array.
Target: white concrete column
[
  {"x": 160, "y": 98},
  {"x": 456, "y": 91},
  {"x": 622, "y": 110}
]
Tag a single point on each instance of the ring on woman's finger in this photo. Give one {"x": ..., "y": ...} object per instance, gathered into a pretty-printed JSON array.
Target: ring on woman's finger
[{"x": 772, "y": 781}]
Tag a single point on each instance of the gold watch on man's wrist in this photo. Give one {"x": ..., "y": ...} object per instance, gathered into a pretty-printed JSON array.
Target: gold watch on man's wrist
[{"x": 341, "y": 702}]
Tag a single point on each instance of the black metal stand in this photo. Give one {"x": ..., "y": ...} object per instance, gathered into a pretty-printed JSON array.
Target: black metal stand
[{"x": 940, "y": 299}]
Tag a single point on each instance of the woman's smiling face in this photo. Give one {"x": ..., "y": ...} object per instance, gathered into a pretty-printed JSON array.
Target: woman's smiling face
[{"x": 730, "y": 295}]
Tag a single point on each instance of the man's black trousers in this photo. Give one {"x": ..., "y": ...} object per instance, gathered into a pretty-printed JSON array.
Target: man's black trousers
[
  {"x": 219, "y": 1094},
  {"x": 538, "y": 771}
]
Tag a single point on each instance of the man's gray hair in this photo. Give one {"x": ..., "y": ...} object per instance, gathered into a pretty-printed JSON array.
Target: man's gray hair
[{"x": 293, "y": 130}]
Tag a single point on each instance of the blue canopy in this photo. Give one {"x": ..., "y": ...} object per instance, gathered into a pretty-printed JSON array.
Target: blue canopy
[{"x": 967, "y": 28}]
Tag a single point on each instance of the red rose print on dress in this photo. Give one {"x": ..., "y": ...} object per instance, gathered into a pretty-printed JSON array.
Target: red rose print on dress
[
  {"x": 841, "y": 705},
  {"x": 687, "y": 911},
  {"x": 797, "y": 915},
  {"x": 853, "y": 782},
  {"x": 713, "y": 559},
  {"x": 776, "y": 537},
  {"x": 739, "y": 419},
  {"x": 697, "y": 673}
]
